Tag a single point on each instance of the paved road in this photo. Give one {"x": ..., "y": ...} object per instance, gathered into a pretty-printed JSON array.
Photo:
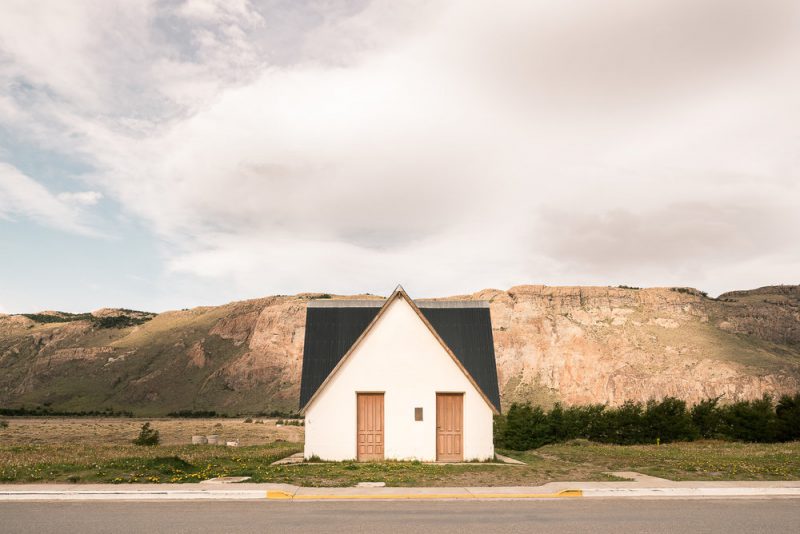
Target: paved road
[{"x": 563, "y": 516}]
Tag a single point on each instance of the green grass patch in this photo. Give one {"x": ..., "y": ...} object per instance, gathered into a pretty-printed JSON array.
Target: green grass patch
[
  {"x": 129, "y": 463},
  {"x": 574, "y": 461},
  {"x": 701, "y": 460}
]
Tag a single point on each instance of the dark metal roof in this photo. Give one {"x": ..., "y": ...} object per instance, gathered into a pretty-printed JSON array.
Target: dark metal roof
[
  {"x": 468, "y": 333},
  {"x": 330, "y": 332},
  {"x": 332, "y": 329}
]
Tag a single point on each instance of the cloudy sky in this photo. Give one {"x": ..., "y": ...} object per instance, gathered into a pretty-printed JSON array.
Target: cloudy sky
[{"x": 167, "y": 154}]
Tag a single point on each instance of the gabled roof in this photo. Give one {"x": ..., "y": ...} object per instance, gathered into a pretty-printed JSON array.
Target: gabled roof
[{"x": 335, "y": 327}]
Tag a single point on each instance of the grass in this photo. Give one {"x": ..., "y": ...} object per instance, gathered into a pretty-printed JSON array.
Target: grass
[
  {"x": 128, "y": 463},
  {"x": 99, "y": 450},
  {"x": 187, "y": 463},
  {"x": 121, "y": 431},
  {"x": 700, "y": 460}
]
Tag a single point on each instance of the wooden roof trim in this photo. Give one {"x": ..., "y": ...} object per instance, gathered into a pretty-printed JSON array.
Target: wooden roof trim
[{"x": 399, "y": 292}]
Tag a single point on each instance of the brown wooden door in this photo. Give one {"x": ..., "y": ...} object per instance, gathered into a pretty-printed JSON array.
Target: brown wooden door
[
  {"x": 449, "y": 427},
  {"x": 370, "y": 427}
]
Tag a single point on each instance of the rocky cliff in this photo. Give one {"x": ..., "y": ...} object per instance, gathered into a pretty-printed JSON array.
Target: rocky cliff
[{"x": 573, "y": 344}]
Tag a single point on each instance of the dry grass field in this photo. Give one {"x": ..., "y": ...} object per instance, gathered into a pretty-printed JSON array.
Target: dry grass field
[
  {"x": 84, "y": 450},
  {"x": 121, "y": 431}
]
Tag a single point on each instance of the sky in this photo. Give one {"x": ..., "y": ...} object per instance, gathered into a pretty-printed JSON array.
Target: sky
[{"x": 168, "y": 154}]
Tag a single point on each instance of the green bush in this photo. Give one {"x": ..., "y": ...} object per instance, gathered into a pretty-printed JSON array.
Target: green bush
[
  {"x": 707, "y": 418},
  {"x": 788, "y": 413},
  {"x": 3, "y": 423},
  {"x": 46, "y": 411},
  {"x": 147, "y": 436},
  {"x": 625, "y": 425},
  {"x": 196, "y": 414},
  {"x": 751, "y": 420},
  {"x": 128, "y": 318},
  {"x": 526, "y": 427},
  {"x": 573, "y": 422},
  {"x": 668, "y": 421},
  {"x": 58, "y": 317},
  {"x": 289, "y": 422},
  {"x": 119, "y": 321}
]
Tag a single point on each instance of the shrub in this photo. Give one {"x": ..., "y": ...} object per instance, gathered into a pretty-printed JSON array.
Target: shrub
[
  {"x": 577, "y": 422},
  {"x": 788, "y": 414},
  {"x": 3, "y": 423},
  {"x": 194, "y": 414},
  {"x": 45, "y": 410},
  {"x": 58, "y": 317},
  {"x": 624, "y": 424},
  {"x": 293, "y": 422},
  {"x": 279, "y": 414},
  {"x": 127, "y": 318},
  {"x": 147, "y": 436},
  {"x": 526, "y": 427},
  {"x": 751, "y": 420},
  {"x": 248, "y": 420},
  {"x": 668, "y": 420},
  {"x": 707, "y": 418}
]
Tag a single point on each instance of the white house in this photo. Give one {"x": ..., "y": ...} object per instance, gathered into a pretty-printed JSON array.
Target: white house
[{"x": 398, "y": 379}]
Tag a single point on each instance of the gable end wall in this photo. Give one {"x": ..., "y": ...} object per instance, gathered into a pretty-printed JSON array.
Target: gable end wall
[{"x": 403, "y": 359}]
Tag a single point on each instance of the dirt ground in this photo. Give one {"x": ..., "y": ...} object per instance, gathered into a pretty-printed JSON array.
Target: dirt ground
[{"x": 120, "y": 431}]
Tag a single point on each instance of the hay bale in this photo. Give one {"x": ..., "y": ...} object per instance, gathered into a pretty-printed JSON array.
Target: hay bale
[{"x": 199, "y": 440}]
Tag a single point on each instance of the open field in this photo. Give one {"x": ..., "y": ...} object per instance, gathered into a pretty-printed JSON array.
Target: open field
[
  {"x": 120, "y": 431},
  {"x": 99, "y": 450},
  {"x": 698, "y": 460}
]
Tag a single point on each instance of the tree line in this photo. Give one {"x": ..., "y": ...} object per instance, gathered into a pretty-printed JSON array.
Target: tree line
[{"x": 526, "y": 427}]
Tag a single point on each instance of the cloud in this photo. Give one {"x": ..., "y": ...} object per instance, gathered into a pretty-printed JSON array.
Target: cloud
[
  {"x": 83, "y": 198},
  {"x": 688, "y": 236},
  {"x": 20, "y": 195},
  {"x": 449, "y": 145}
]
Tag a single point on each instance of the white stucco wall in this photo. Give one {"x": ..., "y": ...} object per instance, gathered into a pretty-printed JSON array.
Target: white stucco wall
[{"x": 401, "y": 358}]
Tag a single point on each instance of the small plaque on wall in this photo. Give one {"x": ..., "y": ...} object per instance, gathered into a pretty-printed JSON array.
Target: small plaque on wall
[{"x": 417, "y": 414}]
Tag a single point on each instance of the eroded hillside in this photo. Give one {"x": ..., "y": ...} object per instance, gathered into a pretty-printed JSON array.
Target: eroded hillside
[{"x": 574, "y": 344}]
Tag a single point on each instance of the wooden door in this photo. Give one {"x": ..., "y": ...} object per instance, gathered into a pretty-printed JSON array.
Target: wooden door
[
  {"x": 449, "y": 427},
  {"x": 370, "y": 427}
]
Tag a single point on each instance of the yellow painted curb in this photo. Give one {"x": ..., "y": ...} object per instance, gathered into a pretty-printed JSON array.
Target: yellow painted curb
[
  {"x": 279, "y": 495},
  {"x": 284, "y": 496}
]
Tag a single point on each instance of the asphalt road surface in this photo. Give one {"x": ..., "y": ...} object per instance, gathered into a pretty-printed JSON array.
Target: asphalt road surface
[{"x": 562, "y": 516}]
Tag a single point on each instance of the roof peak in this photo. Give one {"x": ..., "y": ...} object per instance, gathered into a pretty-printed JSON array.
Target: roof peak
[{"x": 377, "y": 303}]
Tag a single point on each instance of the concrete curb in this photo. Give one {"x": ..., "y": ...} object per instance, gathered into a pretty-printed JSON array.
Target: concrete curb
[
  {"x": 111, "y": 495},
  {"x": 288, "y": 493},
  {"x": 692, "y": 492},
  {"x": 286, "y": 496}
]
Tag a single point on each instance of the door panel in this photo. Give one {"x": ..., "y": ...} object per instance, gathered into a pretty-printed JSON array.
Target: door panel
[
  {"x": 449, "y": 427},
  {"x": 369, "y": 437}
]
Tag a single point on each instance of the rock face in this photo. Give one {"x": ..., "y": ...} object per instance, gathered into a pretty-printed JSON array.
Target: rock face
[
  {"x": 576, "y": 345},
  {"x": 609, "y": 345}
]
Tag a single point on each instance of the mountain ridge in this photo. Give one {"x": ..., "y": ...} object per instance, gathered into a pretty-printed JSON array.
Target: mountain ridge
[{"x": 574, "y": 344}]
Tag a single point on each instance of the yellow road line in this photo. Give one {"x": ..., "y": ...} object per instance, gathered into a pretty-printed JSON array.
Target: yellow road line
[{"x": 282, "y": 495}]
